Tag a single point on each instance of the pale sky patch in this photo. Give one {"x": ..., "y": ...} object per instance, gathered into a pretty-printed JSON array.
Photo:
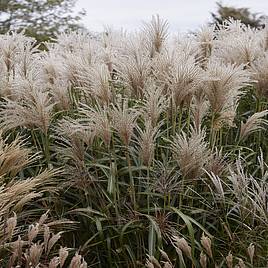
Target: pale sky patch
[{"x": 182, "y": 15}]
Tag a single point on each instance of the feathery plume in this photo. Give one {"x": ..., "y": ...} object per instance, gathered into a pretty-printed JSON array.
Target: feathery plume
[
  {"x": 203, "y": 260},
  {"x": 146, "y": 142},
  {"x": 154, "y": 103},
  {"x": 165, "y": 256},
  {"x": 97, "y": 118},
  {"x": 182, "y": 244},
  {"x": 52, "y": 241},
  {"x": 223, "y": 84},
  {"x": 33, "y": 232},
  {"x": 206, "y": 243},
  {"x": 54, "y": 262},
  {"x": 124, "y": 121},
  {"x": 229, "y": 260},
  {"x": 166, "y": 179},
  {"x": 11, "y": 225},
  {"x": 149, "y": 264},
  {"x": 96, "y": 82},
  {"x": 241, "y": 263},
  {"x": 155, "y": 34},
  {"x": 218, "y": 185},
  {"x": 251, "y": 251},
  {"x": 154, "y": 261},
  {"x": 134, "y": 70},
  {"x": 205, "y": 38},
  {"x": 254, "y": 123},
  {"x": 78, "y": 262},
  {"x": 259, "y": 74},
  {"x": 33, "y": 110},
  {"x": 184, "y": 79},
  {"x": 35, "y": 254},
  {"x": 217, "y": 163},
  {"x": 238, "y": 44},
  {"x": 191, "y": 153},
  {"x": 14, "y": 156},
  {"x": 199, "y": 108},
  {"x": 60, "y": 91},
  {"x": 63, "y": 254}
]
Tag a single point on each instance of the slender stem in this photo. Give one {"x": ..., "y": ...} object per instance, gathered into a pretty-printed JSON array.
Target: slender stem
[
  {"x": 212, "y": 132},
  {"x": 174, "y": 117},
  {"x": 181, "y": 193},
  {"x": 180, "y": 120},
  {"x": 148, "y": 188},
  {"x": 132, "y": 184},
  {"x": 188, "y": 118}
]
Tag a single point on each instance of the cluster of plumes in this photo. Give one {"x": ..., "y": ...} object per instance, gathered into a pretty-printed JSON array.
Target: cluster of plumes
[
  {"x": 37, "y": 245},
  {"x": 153, "y": 103},
  {"x": 206, "y": 257},
  {"x": 204, "y": 72},
  {"x": 16, "y": 157},
  {"x": 20, "y": 243}
]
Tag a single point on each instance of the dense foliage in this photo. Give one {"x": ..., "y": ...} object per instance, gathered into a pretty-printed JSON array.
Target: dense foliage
[
  {"x": 135, "y": 150},
  {"x": 41, "y": 19}
]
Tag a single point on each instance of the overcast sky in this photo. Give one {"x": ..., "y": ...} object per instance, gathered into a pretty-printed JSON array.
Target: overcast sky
[{"x": 182, "y": 15}]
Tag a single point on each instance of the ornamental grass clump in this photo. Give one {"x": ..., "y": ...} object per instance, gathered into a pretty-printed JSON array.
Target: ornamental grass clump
[{"x": 135, "y": 149}]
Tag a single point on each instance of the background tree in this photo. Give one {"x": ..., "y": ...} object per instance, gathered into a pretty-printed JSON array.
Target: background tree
[
  {"x": 242, "y": 14},
  {"x": 41, "y": 19}
]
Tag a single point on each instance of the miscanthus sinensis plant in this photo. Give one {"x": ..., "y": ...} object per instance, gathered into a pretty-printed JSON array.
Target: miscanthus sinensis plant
[{"x": 135, "y": 150}]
